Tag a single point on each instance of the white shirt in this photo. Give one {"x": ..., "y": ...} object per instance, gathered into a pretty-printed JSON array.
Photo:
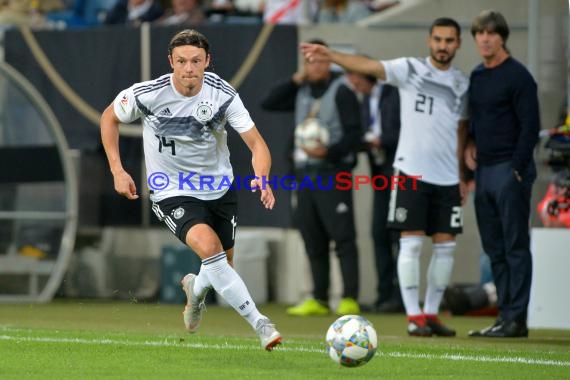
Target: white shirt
[
  {"x": 432, "y": 102},
  {"x": 375, "y": 125},
  {"x": 138, "y": 10},
  {"x": 185, "y": 135}
]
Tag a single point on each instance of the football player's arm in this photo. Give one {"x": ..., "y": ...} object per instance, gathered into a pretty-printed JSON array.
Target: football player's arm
[
  {"x": 261, "y": 162},
  {"x": 350, "y": 62},
  {"x": 109, "y": 124}
]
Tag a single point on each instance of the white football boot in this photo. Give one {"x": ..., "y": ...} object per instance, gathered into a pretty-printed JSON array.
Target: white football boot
[
  {"x": 268, "y": 336},
  {"x": 195, "y": 305}
]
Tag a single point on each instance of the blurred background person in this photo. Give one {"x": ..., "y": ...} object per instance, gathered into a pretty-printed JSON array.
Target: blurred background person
[
  {"x": 134, "y": 12},
  {"x": 381, "y": 125},
  {"x": 343, "y": 11},
  {"x": 27, "y": 12},
  {"x": 433, "y": 118},
  {"x": 298, "y": 12},
  {"x": 253, "y": 8},
  {"x": 183, "y": 12},
  {"x": 324, "y": 215}
]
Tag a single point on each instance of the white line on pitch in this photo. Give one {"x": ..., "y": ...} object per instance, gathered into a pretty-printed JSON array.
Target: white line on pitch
[{"x": 227, "y": 346}]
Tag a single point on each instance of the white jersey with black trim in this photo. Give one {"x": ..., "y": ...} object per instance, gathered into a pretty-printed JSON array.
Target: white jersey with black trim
[
  {"x": 184, "y": 138},
  {"x": 432, "y": 102}
]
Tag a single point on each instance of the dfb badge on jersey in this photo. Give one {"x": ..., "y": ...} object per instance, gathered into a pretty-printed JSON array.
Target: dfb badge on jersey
[{"x": 204, "y": 112}]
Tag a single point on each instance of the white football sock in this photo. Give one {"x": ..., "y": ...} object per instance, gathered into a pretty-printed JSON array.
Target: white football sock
[
  {"x": 438, "y": 275},
  {"x": 202, "y": 281},
  {"x": 231, "y": 287},
  {"x": 409, "y": 272}
]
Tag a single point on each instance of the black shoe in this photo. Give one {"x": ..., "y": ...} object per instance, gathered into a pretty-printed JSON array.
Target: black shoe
[
  {"x": 389, "y": 306},
  {"x": 482, "y": 332},
  {"x": 506, "y": 329},
  {"x": 439, "y": 328},
  {"x": 509, "y": 329},
  {"x": 419, "y": 328}
]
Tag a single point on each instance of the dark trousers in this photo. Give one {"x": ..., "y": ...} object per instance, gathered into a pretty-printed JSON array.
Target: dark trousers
[
  {"x": 502, "y": 206},
  {"x": 322, "y": 216},
  {"x": 385, "y": 239}
]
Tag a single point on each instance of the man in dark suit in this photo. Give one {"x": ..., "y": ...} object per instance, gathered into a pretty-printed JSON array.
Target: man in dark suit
[
  {"x": 381, "y": 123},
  {"x": 134, "y": 12}
]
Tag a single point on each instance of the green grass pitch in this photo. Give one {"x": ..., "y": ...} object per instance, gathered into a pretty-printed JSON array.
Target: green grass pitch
[{"x": 130, "y": 340}]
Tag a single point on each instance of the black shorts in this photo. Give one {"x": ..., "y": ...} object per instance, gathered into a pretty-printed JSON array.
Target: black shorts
[
  {"x": 180, "y": 214},
  {"x": 430, "y": 208}
]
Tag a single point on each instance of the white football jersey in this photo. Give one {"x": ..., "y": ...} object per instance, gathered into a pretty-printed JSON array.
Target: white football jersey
[
  {"x": 432, "y": 102},
  {"x": 184, "y": 138}
]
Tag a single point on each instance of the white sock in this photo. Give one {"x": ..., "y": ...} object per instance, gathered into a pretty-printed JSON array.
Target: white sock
[
  {"x": 491, "y": 291},
  {"x": 438, "y": 275},
  {"x": 202, "y": 281},
  {"x": 409, "y": 272},
  {"x": 231, "y": 287}
]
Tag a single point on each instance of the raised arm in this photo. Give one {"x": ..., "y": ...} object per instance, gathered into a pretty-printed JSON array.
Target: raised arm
[
  {"x": 261, "y": 162},
  {"x": 124, "y": 184},
  {"x": 350, "y": 62}
]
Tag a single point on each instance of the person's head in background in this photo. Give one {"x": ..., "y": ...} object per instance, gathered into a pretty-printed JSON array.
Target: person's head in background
[
  {"x": 317, "y": 70},
  {"x": 361, "y": 83},
  {"x": 491, "y": 31},
  {"x": 183, "y": 6},
  {"x": 136, "y": 3}
]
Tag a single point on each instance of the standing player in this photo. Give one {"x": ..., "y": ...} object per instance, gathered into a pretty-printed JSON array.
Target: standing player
[
  {"x": 433, "y": 97},
  {"x": 184, "y": 116}
]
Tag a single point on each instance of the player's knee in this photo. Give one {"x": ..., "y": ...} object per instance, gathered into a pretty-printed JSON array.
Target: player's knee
[{"x": 411, "y": 247}]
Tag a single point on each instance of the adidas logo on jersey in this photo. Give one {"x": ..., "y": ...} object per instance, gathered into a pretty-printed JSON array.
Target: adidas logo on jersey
[{"x": 165, "y": 112}]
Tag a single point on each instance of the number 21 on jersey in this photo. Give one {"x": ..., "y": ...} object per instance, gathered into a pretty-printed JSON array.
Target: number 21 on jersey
[{"x": 424, "y": 104}]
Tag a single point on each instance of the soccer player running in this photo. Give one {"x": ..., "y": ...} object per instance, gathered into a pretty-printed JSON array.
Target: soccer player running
[
  {"x": 184, "y": 116},
  {"x": 433, "y": 98}
]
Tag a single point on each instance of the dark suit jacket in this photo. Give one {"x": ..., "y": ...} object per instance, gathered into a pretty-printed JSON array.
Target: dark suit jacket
[
  {"x": 390, "y": 120},
  {"x": 119, "y": 13}
]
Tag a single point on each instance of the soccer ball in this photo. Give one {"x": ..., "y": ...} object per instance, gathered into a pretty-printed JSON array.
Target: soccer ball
[
  {"x": 311, "y": 134},
  {"x": 351, "y": 341}
]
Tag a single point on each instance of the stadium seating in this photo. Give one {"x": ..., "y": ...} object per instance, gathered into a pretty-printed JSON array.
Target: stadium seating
[{"x": 85, "y": 13}]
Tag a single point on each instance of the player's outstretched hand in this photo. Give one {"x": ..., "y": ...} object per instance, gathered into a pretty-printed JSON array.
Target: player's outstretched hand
[
  {"x": 315, "y": 52},
  {"x": 125, "y": 186},
  {"x": 267, "y": 197}
]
